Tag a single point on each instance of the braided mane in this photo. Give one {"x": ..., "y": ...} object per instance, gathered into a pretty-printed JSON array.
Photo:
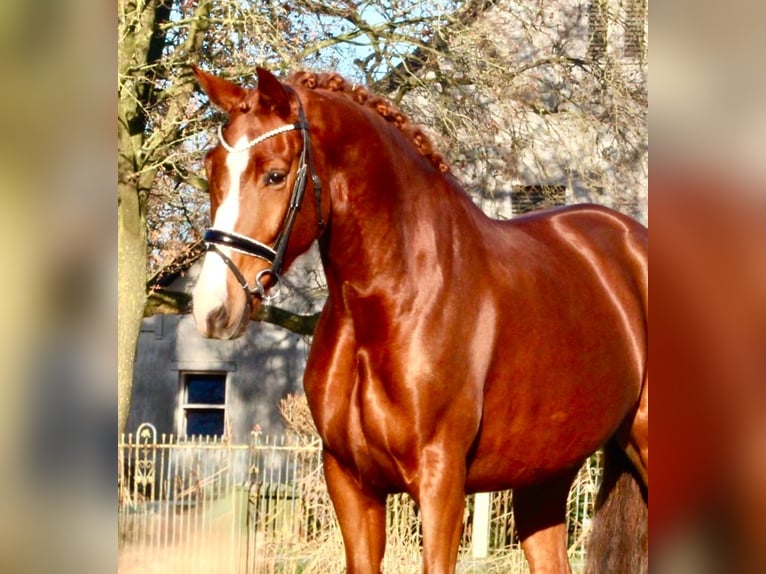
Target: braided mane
[{"x": 334, "y": 82}]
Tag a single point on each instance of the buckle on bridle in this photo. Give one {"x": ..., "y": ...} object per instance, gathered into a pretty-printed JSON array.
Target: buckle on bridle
[{"x": 260, "y": 290}]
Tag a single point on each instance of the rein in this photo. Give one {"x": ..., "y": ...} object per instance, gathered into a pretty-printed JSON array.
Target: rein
[{"x": 273, "y": 254}]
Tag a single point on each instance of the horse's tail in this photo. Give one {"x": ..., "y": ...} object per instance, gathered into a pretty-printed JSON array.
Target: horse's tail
[{"x": 619, "y": 539}]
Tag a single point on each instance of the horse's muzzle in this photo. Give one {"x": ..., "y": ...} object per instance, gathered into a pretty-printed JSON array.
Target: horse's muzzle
[{"x": 219, "y": 323}]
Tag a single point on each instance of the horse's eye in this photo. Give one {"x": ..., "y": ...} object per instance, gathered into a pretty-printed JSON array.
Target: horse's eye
[{"x": 275, "y": 177}]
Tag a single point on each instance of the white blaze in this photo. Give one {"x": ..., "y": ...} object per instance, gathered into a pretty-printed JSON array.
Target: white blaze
[{"x": 210, "y": 291}]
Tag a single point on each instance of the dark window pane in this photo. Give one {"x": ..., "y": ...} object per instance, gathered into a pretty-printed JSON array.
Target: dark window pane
[
  {"x": 530, "y": 197},
  {"x": 204, "y": 422},
  {"x": 206, "y": 388}
]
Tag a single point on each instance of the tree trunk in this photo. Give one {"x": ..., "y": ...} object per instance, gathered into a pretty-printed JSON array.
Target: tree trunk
[
  {"x": 131, "y": 290},
  {"x": 141, "y": 43}
]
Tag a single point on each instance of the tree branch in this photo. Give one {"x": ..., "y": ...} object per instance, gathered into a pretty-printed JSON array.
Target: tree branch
[
  {"x": 179, "y": 303},
  {"x": 397, "y": 78},
  {"x": 300, "y": 324}
]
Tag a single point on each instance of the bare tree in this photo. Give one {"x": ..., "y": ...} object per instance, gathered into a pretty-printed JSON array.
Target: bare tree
[{"x": 520, "y": 98}]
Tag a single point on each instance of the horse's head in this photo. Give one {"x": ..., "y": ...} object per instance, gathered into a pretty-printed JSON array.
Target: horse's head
[{"x": 259, "y": 175}]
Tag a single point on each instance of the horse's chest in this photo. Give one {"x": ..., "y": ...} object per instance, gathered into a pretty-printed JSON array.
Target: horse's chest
[{"x": 367, "y": 428}]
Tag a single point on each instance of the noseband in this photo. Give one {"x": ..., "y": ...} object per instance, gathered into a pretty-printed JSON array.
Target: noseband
[{"x": 274, "y": 254}]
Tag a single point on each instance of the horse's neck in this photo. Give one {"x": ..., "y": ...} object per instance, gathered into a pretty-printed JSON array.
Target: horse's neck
[
  {"x": 389, "y": 206},
  {"x": 388, "y": 235}
]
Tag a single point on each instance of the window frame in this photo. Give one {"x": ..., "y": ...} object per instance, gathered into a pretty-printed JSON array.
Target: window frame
[{"x": 185, "y": 377}]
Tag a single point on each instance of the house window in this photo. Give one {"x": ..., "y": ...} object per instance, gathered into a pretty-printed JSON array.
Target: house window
[
  {"x": 597, "y": 22},
  {"x": 635, "y": 34},
  {"x": 526, "y": 198},
  {"x": 204, "y": 403}
]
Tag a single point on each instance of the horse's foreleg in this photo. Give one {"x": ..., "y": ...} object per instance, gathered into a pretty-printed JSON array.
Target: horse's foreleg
[
  {"x": 362, "y": 519},
  {"x": 441, "y": 497},
  {"x": 540, "y": 515}
]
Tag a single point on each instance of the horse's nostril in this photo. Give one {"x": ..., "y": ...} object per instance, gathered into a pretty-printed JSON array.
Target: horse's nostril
[{"x": 216, "y": 321}]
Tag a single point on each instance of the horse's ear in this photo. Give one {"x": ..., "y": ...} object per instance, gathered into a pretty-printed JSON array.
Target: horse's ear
[
  {"x": 272, "y": 95},
  {"x": 224, "y": 94}
]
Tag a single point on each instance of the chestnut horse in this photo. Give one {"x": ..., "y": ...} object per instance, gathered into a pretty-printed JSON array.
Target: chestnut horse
[{"x": 454, "y": 353}]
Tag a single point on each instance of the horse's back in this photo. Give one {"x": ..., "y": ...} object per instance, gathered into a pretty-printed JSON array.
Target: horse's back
[
  {"x": 599, "y": 250},
  {"x": 586, "y": 224}
]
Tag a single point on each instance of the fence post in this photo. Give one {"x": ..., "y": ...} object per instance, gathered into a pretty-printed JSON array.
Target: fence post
[{"x": 480, "y": 538}]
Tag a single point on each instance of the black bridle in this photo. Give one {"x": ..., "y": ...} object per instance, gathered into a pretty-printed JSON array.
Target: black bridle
[{"x": 217, "y": 238}]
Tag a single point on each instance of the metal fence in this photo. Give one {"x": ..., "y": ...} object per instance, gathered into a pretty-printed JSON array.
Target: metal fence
[{"x": 204, "y": 505}]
